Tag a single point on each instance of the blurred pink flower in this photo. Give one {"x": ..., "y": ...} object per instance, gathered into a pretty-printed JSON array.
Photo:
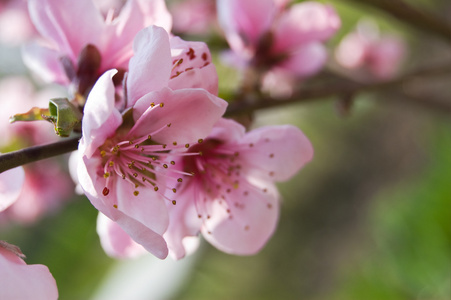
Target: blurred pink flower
[
  {"x": 231, "y": 198},
  {"x": 193, "y": 16},
  {"x": 46, "y": 185},
  {"x": 80, "y": 54},
  {"x": 18, "y": 95},
  {"x": 270, "y": 36},
  {"x": 20, "y": 281},
  {"x": 123, "y": 160},
  {"x": 11, "y": 183},
  {"x": 46, "y": 188},
  {"x": 15, "y": 23},
  {"x": 366, "y": 49}
]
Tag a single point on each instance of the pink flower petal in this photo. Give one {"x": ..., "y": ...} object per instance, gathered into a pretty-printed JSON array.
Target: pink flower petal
[
  {"x": 101, "y": 118},
  {"x": 92, "y": 184},
  {"x": 134, "y": 16},
  {"x": 148, "y": 207},
  {"x": 352, "y": 51},
  {"x": 151, "y": 65},
  {"x": 183, "y": 222},
  {"x": 191, "y": 114},
  {"x": 44, "y": 62},
  {"x": 305, "y": 61},
  {"x": 115, "y": 241},
  {"x": 386, "y": 56},
  {"x": 193, "y": 67},
  {"x": 244, "y": 21},
  {"x": 56, "y": 19},
  {"x": 204, "y": 78},
  {"x": 11, "y": 183},
  {"x": 227, "y": 130},
  {"x": 20, "y": 281},
  {"x": 253, "y": 220},
  {"x": 277, "y": 152},
  {"x": 303, "y": 23}
]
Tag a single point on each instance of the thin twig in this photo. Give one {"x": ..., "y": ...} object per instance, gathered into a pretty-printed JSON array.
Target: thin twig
[{"x": 28, "y": 155}]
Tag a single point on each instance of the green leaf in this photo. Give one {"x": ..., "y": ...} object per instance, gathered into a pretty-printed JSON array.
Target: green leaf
[
  {"x": 66, "y": 117},
  {"x": 33, "y": 114}
]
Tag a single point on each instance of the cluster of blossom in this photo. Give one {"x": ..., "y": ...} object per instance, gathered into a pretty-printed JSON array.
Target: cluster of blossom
[{"x": 156, "y": 157}]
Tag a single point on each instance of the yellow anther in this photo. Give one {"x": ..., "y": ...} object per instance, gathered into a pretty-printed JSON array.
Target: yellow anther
[
  {"x": 165, "y": 166},
  {"x": 152, "y": 104},
  {"x": 111, "y": 163},
  {"x": 135, "y": 175},
  {"x": 200, "y": 140},
  {"x": 103, "y": 153},
  {"x": 136, "y": 193},
  {"x": 186, "y": 146},
  {"x": 172, "y": 162},
  {"x": 179, "y": 179},
  {"x": 114, "y": 205},
  {"x": 161, "y": 104},
  {"x": 169, "y": 124},
  {"x": 155, "y": 189},
  {"x": 174, "y": 190},
  {"x": 149, "y": 137},
  {"x": 174, "y": 143},
  {"x": 106, "y": 175},
  {"x": 174, "y": 202}
]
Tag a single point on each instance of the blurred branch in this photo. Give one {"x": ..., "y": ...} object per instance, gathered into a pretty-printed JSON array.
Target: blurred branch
[
  {"x": 339, "y": 86},
  {"x": 435, "y": 103},
  {"x": 28, "y": 155},
  {"x": 417, "y": 18}
]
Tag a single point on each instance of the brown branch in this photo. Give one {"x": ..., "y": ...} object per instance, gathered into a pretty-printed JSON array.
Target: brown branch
[
  {"x": 340, "y": 86},
  {"x": 28, "y": 155},
  {"x": 413, "y": 16}
]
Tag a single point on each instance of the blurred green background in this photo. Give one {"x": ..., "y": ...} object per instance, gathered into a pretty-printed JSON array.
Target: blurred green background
[{"x": 368, "y": 219}]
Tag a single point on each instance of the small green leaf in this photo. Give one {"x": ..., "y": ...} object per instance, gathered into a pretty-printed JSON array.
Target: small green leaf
[
  {"x": 66, "y": 117},
  {"x": 33, "y": 114}
]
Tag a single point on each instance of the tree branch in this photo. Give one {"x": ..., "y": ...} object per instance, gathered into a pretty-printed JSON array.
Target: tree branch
[
  {"x": 28, "y": 155},
  {"x": 413, "y": 16},
  {"x": 340, "y": 86}
]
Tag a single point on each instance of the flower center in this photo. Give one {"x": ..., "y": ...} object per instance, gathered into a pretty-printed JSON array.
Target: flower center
[{"x": 142, "y": 163}]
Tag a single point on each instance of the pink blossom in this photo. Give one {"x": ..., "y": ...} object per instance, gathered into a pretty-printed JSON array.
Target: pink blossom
[
  {"x": 123, "y": 158},
  {"x": 115, "y": 241},
  {"x": 366, "y": 49},
  {"x": 45, "y": 186},
  {"x": 80, "y": 54},
  {"x": 20, "y": 281},
  {"x": 15, "y": 23},
  {"x": 231, "y": 198},
  {"x": 269, "y": 36},
  {"x": 11, "y": 183},
  {"x": 193, "y": 16}
]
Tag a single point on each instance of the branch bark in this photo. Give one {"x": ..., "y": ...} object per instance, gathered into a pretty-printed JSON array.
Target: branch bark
[{"x": 28, "y": 155}]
